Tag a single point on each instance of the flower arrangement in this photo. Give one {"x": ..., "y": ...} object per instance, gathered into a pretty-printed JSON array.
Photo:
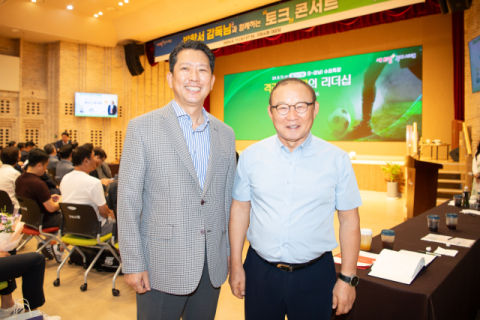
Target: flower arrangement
[
  {"x": 7, "y": 221},
  {"x": 10, "y": 230}
]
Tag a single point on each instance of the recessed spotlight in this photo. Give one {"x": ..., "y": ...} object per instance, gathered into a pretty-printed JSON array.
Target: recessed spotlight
[
  {"x": 126, "y": 1},
  {"x": 95, "y": 15},
  {"x": 69, "y": 7},
  {"x": 100, "y": 13},
  {"x": 120, "y": 3},
  {"x": 34, "y": 0}
]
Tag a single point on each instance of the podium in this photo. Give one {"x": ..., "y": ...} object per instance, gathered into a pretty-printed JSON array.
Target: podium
[{"x": 421, "y": 185}]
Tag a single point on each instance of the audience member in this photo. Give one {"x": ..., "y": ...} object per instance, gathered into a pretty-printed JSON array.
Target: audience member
[
  {"x": 17, "y": 166},
  {"x": 29, "y": 266},
  {"x": 65, "y": 165},
  {"x": 28, "y": 146},
  {"x": 29, "y": 185},
  {"x": 52, "y": 156},
  {"x": 65, "y": 140},
  {"x": 79, "y": 187},
  {"x": 74, "y": 145},
  {"x": 103, "y": 169},
  {"x": 12, "y": 144},
  {"x": 21, "y": 147},
  {"x": 8, "y": 175}
]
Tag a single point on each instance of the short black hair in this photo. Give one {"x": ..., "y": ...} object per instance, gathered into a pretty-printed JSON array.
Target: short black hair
[
  {"x": 36, "y": 156},
  {"x": 293, "y": 80},
  {"x": 21, "y": 145},
  {"x": 10, "y": 155},
  {"x": 49, "y": 148},
  {"x": 81, "y": 153},
  {"x": 65, "y": 133},
  {"x": 191, "y": 45},
  {"x": 11, "y": 143},
  {"x": 65, "y": 151},
  {"x": 29, "y": 144},
  {"x": 74, "y": 144},
  {"x": 99, "y": 152}
]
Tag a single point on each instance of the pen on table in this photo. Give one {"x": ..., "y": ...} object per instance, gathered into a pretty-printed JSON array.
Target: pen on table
[{"x": 430, "y": 253}]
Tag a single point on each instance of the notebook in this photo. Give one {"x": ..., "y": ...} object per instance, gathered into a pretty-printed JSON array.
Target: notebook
[{"x": 397, "y": 266}]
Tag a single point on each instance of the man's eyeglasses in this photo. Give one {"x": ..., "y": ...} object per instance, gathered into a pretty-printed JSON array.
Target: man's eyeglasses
[{"x": 300, "y": 107}]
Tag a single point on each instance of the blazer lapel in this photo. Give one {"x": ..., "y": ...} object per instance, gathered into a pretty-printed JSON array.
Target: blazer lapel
[
  {"x": 173, "y": 130},
  {"x": 213, "y": 157}
]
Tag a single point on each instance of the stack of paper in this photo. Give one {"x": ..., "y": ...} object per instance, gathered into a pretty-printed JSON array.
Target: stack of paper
[
  {"x": 446, "y": 252},
  {"x": 397, "y": 266},
  {"x": 365, "y": 259},
  {"x": 467, "y": 243}
]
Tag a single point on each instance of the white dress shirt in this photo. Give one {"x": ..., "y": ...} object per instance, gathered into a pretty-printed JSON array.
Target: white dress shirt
[{"x": 8, "y": 176}]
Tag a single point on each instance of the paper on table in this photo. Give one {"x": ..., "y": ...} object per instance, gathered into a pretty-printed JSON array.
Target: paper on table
[
  {"x": 451, "y": 203},
  {"x": 428, "y": 257},
  {"x": 365, "y": 259},
  {"x": 436, "y": 238},
  {"x": 471, "y": 211},
  {"x": 467, "y": 243},
  {"x": 396, "y": 266},
  {"x": 446, "y": 252}
]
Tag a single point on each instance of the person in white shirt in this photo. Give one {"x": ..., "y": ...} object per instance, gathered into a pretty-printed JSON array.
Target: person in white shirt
[
  {"x": 79, "y": 187},
  {"x": 8, "y": 175},
  {"x": 476, "y": 172}
]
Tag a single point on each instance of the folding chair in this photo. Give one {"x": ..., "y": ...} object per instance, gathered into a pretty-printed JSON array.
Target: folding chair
[
  {"x": 3, "y": 285},
  {"x": 6, "y": 202},
  {"x": 81, "y": 228},
  {"x": 33, "y": 218},
  {"x": 115, "y": 244}
]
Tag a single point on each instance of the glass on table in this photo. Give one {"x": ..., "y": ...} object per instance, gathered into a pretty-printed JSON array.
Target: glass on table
[
  {"x": 365, "y": 239},
  {"x": 388, "y": 237},
  {"x": 452, "y": 221},
  {"x": 433, "y": 222}
]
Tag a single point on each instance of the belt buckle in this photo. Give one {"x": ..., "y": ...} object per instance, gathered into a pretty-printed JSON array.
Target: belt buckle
[{"x": 284, "y": 267}]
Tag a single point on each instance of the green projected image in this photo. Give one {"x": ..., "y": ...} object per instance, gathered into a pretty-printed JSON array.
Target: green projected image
[{"x": 368, "y": 97}]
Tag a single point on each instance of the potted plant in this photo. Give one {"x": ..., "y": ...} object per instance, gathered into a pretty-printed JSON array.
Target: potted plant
[{"x": 392, "y": 174}]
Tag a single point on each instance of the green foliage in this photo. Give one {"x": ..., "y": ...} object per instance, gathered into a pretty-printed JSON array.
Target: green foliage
[{"x": 392, "y": 172}]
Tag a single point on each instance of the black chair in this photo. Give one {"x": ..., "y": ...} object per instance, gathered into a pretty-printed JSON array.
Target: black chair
[
  {"x": 33, "y": 218},
  {"x": 115, "y": 244},
  {"x": 52, "y": 174},
  {"x": 81, "y": 228},
  {"x": 6, "y": 202}
]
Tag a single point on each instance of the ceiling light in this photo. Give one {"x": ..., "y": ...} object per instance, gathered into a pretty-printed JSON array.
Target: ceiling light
[
  {"x": 126, "y": 1},
  {"x": 69, "y": 7},
  {"x": 95, "y": 15},
  {"x": 100, "y": 13},
  {"x": 120, "y": 3},
  {"x": 34, "y": 0}
]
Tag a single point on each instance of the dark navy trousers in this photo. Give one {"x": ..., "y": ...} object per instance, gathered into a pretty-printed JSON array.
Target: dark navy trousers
[{"x": 305, "y": 294}]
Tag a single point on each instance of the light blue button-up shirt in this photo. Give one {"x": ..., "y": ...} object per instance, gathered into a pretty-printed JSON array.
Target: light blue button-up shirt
[
  {"x": 198, "y": 140},
  {"x": 294, "y": 196}
]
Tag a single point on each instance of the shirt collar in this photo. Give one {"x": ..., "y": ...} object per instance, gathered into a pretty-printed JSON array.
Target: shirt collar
[
  {"x": 181, "y": 113},
  {"x": 300, "y": 148}
]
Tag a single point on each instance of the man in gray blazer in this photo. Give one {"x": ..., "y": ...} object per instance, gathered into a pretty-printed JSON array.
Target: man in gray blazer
[{"x": 174, "y": 196}]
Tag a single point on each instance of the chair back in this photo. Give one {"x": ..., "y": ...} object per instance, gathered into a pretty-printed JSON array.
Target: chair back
[
  {"x": 52, "y": 173},
  {"x": 6, "y": 202},
  {"x": 31, "y": 214},
  {"x": 80, "y": 220}
]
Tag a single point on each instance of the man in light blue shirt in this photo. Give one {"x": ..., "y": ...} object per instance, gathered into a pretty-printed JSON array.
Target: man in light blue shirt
[{"x": 286, "y": 191}]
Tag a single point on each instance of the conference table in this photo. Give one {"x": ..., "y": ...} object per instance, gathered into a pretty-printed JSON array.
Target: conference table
[{"x": 448, "y": 288}]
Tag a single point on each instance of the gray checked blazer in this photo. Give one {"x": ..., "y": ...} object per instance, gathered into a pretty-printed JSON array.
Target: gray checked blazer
[{"x": 165, "y": 220}]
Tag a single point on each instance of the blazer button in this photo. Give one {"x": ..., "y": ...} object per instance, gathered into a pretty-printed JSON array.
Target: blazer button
[{"x": 202, "y": 202}]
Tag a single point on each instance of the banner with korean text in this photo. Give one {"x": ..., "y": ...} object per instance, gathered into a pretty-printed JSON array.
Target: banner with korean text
[
  {"x": 367, "y": 97},
  {"x": 276, "y": 19}
]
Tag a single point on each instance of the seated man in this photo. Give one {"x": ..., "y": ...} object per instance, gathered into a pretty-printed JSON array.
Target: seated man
[
  {"x": 65, "y": 140},
  {"x": 21, "y": 147},
  {"x": 52, "y": 156},
  {"x": 8, "y": 175},
  {"x": 29, "y": 266},
  {"x": 28, "y": 146},
  {"x": 103, "y": 169},
  {"x": 12, "y": 144},
  {"x": 65, "y": 165},
  {"x": 79, "y": 187},
  {"x": 29, "y": 185}
]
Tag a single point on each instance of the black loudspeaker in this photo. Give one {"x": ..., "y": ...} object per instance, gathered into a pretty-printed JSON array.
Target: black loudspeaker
[
  {"x": 132, "y": 58},
  {"x": 450, "y": 6},
  {"x": 455, "y": 154}
]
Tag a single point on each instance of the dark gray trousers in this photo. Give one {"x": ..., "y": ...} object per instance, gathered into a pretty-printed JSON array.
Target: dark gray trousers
[{"x": 201, "y": 304}]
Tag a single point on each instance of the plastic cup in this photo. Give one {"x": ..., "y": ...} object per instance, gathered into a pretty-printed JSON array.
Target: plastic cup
[
  {"x": 452, "y": 221},
  {"x": 473, "y": 203},
  {"x": 457, "y": 200},
  {"x": 433, "y": 222},
  {"x": 365, "y": 239},
  {"x": 388, "y": 237}
]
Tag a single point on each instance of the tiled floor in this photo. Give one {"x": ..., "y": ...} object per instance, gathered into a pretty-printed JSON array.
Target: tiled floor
[{"x": 97, "y": 302}]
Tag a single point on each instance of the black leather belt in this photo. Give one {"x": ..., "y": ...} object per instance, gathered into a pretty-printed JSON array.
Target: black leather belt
[{"x": 294, "y": 267}]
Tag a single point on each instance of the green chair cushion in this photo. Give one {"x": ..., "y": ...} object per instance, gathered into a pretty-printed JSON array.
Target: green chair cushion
[
  {"x": 84, "y": 242},
  {"x": 3, "y": 285}
]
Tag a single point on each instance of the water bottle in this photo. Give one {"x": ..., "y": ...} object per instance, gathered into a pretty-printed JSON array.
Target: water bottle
[{"x": 466, "y": 198}]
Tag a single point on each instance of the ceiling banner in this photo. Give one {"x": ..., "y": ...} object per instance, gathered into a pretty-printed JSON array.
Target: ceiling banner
[{"x": 276, "y": 19}]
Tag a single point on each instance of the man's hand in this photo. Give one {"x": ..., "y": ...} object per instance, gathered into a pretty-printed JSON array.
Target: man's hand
[
  {"x": 237, "y": 281},
  {"x": 106, "y": 182},
  {"x": 138, "y": 281},
  {"x": 343, "y": 297},
  {"x": 56, "y": 198},
  {"x": 4, "y": 254}
]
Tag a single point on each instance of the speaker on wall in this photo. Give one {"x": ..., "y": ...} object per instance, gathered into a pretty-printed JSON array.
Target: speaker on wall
[
  {"x": 450, "y": 6},
  {"x": 132, "y": 58}
]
